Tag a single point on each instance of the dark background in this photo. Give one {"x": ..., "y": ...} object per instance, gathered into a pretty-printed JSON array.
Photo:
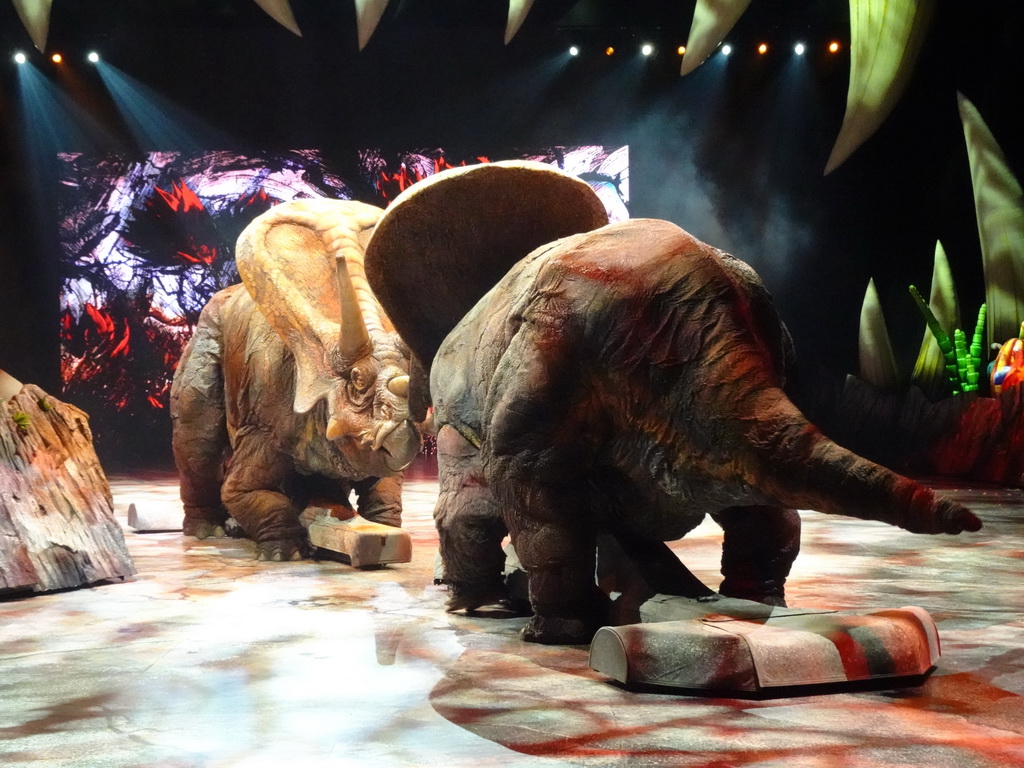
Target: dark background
[{"x": 734, "y": 152}]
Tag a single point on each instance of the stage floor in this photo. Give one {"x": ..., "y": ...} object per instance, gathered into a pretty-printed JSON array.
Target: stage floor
[{"x": 210, "y": 658}]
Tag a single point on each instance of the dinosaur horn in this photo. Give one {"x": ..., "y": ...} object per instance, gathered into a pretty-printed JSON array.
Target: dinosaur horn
[{"x": 354, "y": 342}]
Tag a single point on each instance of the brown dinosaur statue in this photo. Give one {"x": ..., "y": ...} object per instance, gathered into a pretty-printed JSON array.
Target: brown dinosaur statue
[
  {"x": 627, "y": 380},
  {"x": 298, "y": 379}
]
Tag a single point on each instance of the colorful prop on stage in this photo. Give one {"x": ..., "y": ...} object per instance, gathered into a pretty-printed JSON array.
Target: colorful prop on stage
[
  {"x": 300, "y": 374},
  {"x": 1008, "y": 368},
  {"x": 627, "y": 379}
]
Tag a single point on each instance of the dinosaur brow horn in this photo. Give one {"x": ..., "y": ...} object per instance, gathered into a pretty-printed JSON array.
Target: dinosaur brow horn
[{"x": 354, "y": 342}]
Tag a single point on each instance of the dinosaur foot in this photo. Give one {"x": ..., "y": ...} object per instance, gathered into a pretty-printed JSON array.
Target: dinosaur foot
[
  {"x": 475, "y": 598},
  {"x": 282, "y": 550},
  {"x": 203, "y": 529},
  {"x": 559, "y": 630}
]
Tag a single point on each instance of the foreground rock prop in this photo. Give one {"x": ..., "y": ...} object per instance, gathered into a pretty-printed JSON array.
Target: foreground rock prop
[
  {"x": 762, "y": 649},
  {"x": 57, "y": 525}
]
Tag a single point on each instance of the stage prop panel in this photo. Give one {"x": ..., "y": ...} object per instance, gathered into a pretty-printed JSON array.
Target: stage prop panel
[
  {"x": 738, "y": 646},
  {"x": 57, "y": 525}
]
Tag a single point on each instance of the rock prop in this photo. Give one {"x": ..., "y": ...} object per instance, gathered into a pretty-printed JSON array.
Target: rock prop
[
  {"x": 763, "y": 649},
  {"x": 57, "y": 526},
  {"x": 337, "y": 529}
]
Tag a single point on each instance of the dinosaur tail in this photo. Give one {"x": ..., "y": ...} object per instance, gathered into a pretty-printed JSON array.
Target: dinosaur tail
[{"x": 803, "y": 469}]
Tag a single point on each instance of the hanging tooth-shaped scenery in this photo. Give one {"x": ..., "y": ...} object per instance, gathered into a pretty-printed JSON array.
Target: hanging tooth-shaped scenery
[
  {"x": 517, "y": 12},
  {"x": 712, "y": 20},
  {"x": 885, "y": 38},
  {"x": 877, "y": 360},
  {"x": 368, "y": 15},
  {"x": 281, "y": 12},
  {"x": 999, "y": 204},
  {"x": 35, "y": 15}
]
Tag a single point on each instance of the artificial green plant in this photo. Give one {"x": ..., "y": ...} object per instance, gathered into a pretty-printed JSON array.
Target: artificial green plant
[{"x": 963, "y": 365}]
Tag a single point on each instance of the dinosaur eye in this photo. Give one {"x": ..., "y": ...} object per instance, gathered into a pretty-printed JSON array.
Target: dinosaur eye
[{"x": 361, "y": 377}]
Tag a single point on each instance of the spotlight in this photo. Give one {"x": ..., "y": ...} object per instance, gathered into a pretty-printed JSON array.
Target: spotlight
[
  {"x": 647, "y": 49},
  {"x": 762, "y": 48},
  {"x": 833, "y": 47},
  {"x": 799, "y": 49},
  {"x": 609, "y": 51},
  {"x": 56, "y": 58},
  {"x": 726, "y": 49},
  {"x": 20, "y": 58},
  {"x": 93, "y": 57},
  {"x": 681, "y": 50}
]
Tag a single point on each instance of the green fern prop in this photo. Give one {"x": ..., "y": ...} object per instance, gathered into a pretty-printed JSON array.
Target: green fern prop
[{"x": 963, "y": 362}]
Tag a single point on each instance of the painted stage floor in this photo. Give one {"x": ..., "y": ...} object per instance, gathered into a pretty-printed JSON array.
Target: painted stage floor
[{"x": 210, "y": 658}]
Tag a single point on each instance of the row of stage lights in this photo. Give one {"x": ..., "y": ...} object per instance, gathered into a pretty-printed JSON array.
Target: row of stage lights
[
  {"x": 647, "y": 49},
  {"x": 56, "y": 58}
]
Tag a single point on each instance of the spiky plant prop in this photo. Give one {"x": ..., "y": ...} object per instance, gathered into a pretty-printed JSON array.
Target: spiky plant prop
[{"x": 963, "y": 363}]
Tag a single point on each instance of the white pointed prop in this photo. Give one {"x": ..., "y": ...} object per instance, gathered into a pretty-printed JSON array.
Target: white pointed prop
[
  {"x": 35, "y": 15},
  {"x": 930, "y": 368},
  {"x": 281, "y": 12},
  {"x": 877, "y": 360},
  {"x": 368, "y": 15},
  {"x": 517, "y": 11},
  {"x": 885, "y": 38},
  {"x": 712, "y": 20},
  {"x": 999, "y": 204}
]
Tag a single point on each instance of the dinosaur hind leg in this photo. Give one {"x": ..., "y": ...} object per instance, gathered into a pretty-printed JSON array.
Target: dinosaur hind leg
[{"x": 758, "y": 551}]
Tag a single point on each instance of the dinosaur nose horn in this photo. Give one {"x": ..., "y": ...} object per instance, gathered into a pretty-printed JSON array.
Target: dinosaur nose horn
[
  {"x": 399, "y": 386},
  {"x": 354, "y": 343}
]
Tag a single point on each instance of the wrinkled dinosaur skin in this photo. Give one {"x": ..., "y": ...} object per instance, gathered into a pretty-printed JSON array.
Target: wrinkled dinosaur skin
[
  {"x": 630, "y": 380},
  {"x": 244, "y": 444}
]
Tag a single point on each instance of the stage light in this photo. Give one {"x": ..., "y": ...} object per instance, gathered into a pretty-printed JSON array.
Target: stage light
[
  {"x": 20, "y": 58},
  {"x": 647, "y": 49},
  {"x": 56, "y": 58},
  {"x": 726, "y": 49},
  {"x": 609, "y": 51},
  {"x": 681, "y": 50},
  {"x": 93, "y": 57},
  {"x": 833, "y": 47},
  {"x": 762, "y": 48},
  {"x": 574, "y": 51},
  {"x": 799, "y": 49}
]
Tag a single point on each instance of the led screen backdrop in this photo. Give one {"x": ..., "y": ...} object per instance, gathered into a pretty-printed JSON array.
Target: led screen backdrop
[{"x": 146, "y": 241}]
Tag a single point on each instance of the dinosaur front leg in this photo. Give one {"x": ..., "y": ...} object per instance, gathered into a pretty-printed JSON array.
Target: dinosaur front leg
[
  {"x": 758, "y": 550},
  {"x": 253, "y": 496},
  {"x": 547, "y": 510},
  {"x": 380, "y": 499},
  {"x": 469, "y": 525},
  {"x": 557, "y": 546},
  {"x": 200, "y": 437}
]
